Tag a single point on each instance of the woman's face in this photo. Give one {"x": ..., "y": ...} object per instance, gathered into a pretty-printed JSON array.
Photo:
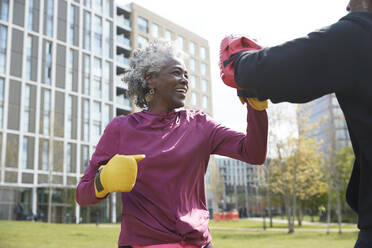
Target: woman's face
[{"x": 170, "y": 85}]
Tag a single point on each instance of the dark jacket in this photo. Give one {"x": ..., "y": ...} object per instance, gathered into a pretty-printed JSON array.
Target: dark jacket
[{"x": 336, "y": 59}]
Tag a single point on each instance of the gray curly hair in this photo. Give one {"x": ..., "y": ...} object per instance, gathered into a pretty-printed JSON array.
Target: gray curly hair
[{"x": 146, "y": 61}]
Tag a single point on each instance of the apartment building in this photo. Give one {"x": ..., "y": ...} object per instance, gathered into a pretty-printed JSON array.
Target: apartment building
[{"x": 61, "y": 63}]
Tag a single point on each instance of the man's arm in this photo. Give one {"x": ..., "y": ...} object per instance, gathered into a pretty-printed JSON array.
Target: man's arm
[{"x": 304, "y": 69}]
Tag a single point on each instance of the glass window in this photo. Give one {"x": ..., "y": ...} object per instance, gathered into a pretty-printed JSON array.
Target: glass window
[
  {"x": 86, "y": 112},
  {"x": 155, "y": 30},
  {"x": 98, "y": 6},
  {"x": 192, "y": 48},
  {"x": 4, "y": 10},
  {"x": 205, "y": 102},
  {"x": 106, "y": 80},
  {"x": 46, "y": 112},
  {"x": 203, "y": 69},
  {"x": 96, "y": 121},
  {"x": 108, "y": 7},
  {"x": 24, "y": 153},
  {"x": 108, "y": 39},
  {"x": 70, "y": 70},
  {"x": 192, "y": 64},
  {"x": 3, "y": 41},
  {"x": 30, "y": 14},
  {"x": 86, "y": 89},
  {"x": 192, "y": 81},
  {"x": 2, "y": 83},
  {"x": 48, "y": 63},
  {"x": 204, "y": 85},
  {"x": 97, "y": 78},
  {"x": 106, "y": 114},
  {"x": 97, "y": 35},
  {"x": 27, "y": 106},
  {"x": 168, "y": 34},
  {"x": 72, "y": 26},
  {"x": 180, "y": 42},
  {"x": 49, "y": 20},
  {"x": 28, "y": 57},
  {"x": 202, "y": 52},
  {"x": 87, "y": 30},
  {"x": 193, "y": 98},
  {"x": 84, "y": 158},
  {"x": 69, "y": 118},
  {"x": 142, "y": 41},
  {"x": 44, "y": 155},
  {"x": 69, "y": 157},
  {"x": 143, "y": 25},
  {"x": 88, "y": 3}
]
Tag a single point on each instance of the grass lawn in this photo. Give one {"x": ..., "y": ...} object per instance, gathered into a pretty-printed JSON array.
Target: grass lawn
[{"x": 42, "y": 235}]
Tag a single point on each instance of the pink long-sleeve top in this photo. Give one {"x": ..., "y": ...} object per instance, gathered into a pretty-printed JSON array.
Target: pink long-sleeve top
[{"x": 168, "y": 203}]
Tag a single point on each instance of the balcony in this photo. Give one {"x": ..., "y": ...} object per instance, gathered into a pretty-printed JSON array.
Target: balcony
[
  {"x": 122, "y": 60},
  {"x": 123, "y": 22},
  {"x": 119, "y": 82},
  {"x": 123, "y": 41}
]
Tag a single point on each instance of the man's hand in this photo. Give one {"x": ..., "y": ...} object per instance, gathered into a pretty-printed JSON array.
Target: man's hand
[{"x": 118, "y": 175}]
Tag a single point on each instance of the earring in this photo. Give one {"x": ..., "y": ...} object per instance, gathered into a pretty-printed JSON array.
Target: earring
[{"x": 150, "y": 95}]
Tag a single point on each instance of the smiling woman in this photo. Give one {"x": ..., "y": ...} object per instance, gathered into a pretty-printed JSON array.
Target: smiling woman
[{"x": 163, "y": 199}]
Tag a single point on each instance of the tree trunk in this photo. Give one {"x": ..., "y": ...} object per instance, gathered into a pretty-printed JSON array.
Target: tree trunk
[
  {"x": 299, "y": 216},
  {"x": 338, "y": 207}
]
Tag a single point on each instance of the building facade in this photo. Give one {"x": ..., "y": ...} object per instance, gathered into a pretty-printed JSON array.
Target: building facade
[
  {"x": 61, "y": 63},
  {"x": 330, "y": 125}
]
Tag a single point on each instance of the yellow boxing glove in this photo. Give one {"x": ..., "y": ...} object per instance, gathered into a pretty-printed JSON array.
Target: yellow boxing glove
[
  {"x": 118, "y": 175},
  {"x": 255, "y": 103}
]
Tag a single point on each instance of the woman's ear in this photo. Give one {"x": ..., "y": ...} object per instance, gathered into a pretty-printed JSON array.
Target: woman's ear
[{"x": 150, "y": 81}]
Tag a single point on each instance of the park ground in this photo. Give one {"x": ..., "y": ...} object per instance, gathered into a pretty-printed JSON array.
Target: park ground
[{"x": 242, "y": 233}]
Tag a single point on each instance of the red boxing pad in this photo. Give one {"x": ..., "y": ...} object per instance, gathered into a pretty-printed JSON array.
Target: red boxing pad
[{"x": 229, "y": 48}]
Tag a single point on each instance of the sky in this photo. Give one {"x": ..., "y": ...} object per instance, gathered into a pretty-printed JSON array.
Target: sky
[{"x": 271, "y": 22}]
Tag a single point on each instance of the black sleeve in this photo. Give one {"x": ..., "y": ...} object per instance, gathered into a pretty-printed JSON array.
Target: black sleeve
[{"x": 298, "y": 71}]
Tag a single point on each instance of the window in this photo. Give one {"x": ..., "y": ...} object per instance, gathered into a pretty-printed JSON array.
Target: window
[
  {"x": 87, "y": 30},
  {"x": 2, "y": 83},
  {"x": 88, "y": 3},
  {"x": 155, "y": 30},
  {"x": 4, "y": 10},
  {"x": 98, "y": 5},
  {"x": 168, "y": 35},
  {"x": 44, "y": 155},
  {"x": 142, "y": 41},
  {"x": 70, "y": 70},
  {"x": 202, "y": 53},
  {"x": 48, "y": 63},
  {"x": 28, "y": 57},
  {"x": 3, "y": 45},
  {"x": 193, "y": 98},
  {"x": 108, "y": 38},
  {"x": 86, "y": 74},
  {"x": 72, "y": 26},
  {"x": 204, "y": 85},
  {"x": 192, "y": 81},
  {"x": 106, "y": 80},
  {"x": 203, "y": 69},
  {"x": 30, "y": 14},
  {"x": 27, "y": 106},
  {"x": 205, "y": 102},
  {"x": 97, "y": 78},
  {"x": 143, "y": 25},
  {"x": 106, "y": 114},
  {"x": 84, "y": 159},
  {"x": 24, "y": 153},
  {"x": 180, "y": 42},
  {"x": 46, "y": 112},
  {"x": 69, "y": 117},
  {"x": 192, "y": 48},
  {"x": 97, "y": 35},
  {"x": 69, "y": 158},
  {"x": 86, "y": 112},
  {"x": 49, "y": 20},
  {"x": 108, "y": 7},
  {"x": 96, "y": 121},
  {"x": 192, "y": 64}
]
